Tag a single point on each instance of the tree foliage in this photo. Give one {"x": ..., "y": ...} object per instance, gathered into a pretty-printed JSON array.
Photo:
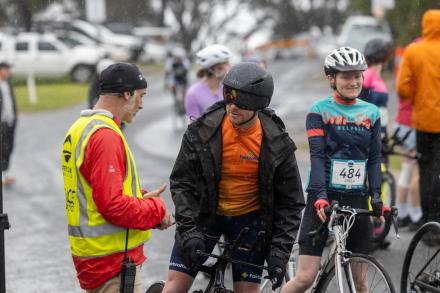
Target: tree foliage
[
  {"x": 359, "y": 7},
  {"x": 195, "y": 25},
  {"x": 406, "y": 19},
  {"x": 19, "y": 13}
]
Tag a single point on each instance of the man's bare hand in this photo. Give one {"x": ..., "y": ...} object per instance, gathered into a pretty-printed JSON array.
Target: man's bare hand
[
  {"x": 166, "y": 222},
  {"x": 155, "y": 193}
]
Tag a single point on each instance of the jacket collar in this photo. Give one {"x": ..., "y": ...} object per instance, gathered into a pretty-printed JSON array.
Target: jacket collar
[
  {"x": 272, "y": 125},
  {"x": 211, "y": 121}
]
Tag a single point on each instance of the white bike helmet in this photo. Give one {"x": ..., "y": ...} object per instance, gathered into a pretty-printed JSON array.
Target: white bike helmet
[
  {"x": 179, "y": 52},
  {"x": 212, "y": 55},
  {"x": 344, "y": 59}
]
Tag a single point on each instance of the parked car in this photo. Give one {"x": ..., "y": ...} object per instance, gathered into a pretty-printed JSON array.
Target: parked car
[
  {"x": 358, "y": 30},
  {"x": 73, "y": 39},
  {"x": 105, "y": 37},
  {"x": 153, "y": 52},
  {"x": 43, "y": 55}
]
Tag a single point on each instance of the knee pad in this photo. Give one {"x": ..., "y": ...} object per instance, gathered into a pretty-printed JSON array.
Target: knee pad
[{"x": 405, "y": 175}]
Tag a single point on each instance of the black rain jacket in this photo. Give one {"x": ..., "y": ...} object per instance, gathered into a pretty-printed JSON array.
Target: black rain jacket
[{"x": 194, "y": 181}]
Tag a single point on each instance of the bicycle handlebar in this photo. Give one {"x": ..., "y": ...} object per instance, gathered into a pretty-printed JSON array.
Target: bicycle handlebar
[
  {"x": 236, "y": 245},
  {"x": 231, "y": 260},
  {"x": 347, "y": 211}
]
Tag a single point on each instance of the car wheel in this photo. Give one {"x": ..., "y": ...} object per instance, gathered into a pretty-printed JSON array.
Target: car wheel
[{"x": 82, "y": 73}]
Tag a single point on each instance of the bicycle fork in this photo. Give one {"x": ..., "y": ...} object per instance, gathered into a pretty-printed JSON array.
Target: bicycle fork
[{"x": 342, "y": 265}]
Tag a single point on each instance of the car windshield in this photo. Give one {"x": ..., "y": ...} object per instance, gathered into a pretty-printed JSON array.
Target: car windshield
[
  {"x": 69, "y": 42},
  {"x": 103, "y": 31},
  {"x": 359, "y": 35},
  {"x": 368, "y": 29}
]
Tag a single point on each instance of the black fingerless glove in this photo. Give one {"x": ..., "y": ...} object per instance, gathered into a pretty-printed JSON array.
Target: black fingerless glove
[
  {"x": 190, "y": 257},
  {"x": 276, "y": 271},
  {"x": 377, "y": 208}
]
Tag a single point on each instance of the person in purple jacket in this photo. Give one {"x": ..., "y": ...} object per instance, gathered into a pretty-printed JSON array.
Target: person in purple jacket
[{"x": 214, "y": 62}]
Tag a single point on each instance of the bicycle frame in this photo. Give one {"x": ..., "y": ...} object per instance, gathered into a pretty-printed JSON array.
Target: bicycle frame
[
  {"x": 217, "y": 271},
  {"x": 338, "y": 253}
]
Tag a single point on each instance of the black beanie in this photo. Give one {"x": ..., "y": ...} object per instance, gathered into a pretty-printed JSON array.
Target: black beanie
[{"x": 121, "y": 77}]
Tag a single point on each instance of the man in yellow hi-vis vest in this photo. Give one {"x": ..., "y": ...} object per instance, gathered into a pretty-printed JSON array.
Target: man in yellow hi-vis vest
[{"x": 108, "y": 214}]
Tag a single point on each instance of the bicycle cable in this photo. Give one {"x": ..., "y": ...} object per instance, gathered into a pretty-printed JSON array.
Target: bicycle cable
[{"x": 347, "y": 224}]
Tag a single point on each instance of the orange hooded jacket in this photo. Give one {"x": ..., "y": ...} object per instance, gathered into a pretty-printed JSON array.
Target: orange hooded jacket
[{"x": 419, "y": 75}]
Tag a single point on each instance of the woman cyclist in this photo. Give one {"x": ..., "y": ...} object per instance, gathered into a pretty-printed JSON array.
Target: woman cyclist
[
  {"x": 345, "y": 145},
  {"x": 214, "y": 62}
]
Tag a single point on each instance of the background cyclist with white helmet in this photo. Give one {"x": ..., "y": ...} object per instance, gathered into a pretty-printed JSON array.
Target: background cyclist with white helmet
[
  {"x": 236, "y": 168},
  {"x": 344, "y": 138},
  {"x": 214, "y": 62}
]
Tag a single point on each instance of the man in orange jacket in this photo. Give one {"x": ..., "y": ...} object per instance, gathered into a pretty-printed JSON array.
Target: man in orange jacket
[{"x": 419, "y": 82}]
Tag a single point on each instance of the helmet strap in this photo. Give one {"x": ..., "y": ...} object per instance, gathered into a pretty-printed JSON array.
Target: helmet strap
[
  {"x": 218, "y": 76},
  {"x": 342, "y": 97},
  {"x": 243, "y": 123}
]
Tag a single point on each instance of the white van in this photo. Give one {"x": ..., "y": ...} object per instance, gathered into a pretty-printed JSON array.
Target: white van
[{"x": 43, "y": 55}]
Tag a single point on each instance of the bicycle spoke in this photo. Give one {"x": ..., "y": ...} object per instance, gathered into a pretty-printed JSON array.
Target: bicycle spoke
[
  {"x": 367, "y": 274},
  {"x": 421, "y": 272}
]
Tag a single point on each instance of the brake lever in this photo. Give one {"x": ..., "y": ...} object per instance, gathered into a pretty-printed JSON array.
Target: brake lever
[{"x": 393, "y": 214}]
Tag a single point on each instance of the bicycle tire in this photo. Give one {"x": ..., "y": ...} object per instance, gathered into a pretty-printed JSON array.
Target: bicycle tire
[
  {"x": 425, "y": 263},
  {"x": 328, "y": 282},
  {"x": 156, "y": 287},
  {"x": 389, "y": 190}
]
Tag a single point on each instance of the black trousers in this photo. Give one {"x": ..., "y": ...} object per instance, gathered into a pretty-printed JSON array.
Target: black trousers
[
  {"x": 7, "y": 144},
  {"x": 428, "y": 147}
]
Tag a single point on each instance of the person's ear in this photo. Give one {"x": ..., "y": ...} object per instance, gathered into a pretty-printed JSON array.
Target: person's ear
[
  {"x": 332, "y": 80},
  {"x": 127, "y": 96}
]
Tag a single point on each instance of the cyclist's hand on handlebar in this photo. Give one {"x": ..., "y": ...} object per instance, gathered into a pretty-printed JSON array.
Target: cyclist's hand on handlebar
[
  {"x": 155, "y": 193},
  {"x": 379, "y": 209},
  {"x": 190, "y": 257},
  {"x": 276, "y": 270},
  {"x": 385, "y": 210},
  {"x": 320, "y": 205}
]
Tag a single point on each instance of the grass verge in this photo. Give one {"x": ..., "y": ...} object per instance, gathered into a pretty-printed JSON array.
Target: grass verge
[{"x": 51, "y": 96}]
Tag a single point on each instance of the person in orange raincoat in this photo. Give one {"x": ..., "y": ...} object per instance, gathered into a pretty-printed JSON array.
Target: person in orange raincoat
[{"x": 419, "y": 82}]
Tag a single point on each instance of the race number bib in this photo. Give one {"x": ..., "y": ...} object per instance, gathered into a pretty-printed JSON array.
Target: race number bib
[{"x": 347, "y": 174}]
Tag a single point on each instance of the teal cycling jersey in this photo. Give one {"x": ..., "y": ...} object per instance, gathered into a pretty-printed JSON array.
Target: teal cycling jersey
[{"x": 345, "y": 147}]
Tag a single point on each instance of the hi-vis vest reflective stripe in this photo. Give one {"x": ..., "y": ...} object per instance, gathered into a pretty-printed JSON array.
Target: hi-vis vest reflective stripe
[{"x": 90, "y": 234}]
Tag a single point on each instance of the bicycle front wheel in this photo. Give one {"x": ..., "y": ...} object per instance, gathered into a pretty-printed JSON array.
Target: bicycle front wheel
[
  {"x": 361, "y": 272},
  {"x": 156, "y": 287},
  {"x": 421, "y": 268}
]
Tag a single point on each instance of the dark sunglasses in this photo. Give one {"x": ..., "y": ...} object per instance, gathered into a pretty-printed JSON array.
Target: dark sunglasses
[{"x": 229, "y": 95}]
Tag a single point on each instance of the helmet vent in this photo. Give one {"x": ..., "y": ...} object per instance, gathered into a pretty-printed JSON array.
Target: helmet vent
[{"x": 257, "y": 81}]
